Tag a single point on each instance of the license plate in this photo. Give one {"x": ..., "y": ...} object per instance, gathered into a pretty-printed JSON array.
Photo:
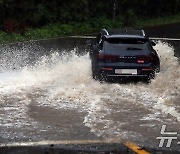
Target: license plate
[{"x": 126, "y": 71}]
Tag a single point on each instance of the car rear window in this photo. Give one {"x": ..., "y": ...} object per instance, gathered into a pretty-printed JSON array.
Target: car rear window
[
  {"x": 126, "y": 40},
  {"x": 126, "y": 44}
]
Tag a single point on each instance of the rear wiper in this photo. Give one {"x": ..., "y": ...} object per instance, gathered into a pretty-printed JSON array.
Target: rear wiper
[{"x": 132, "y": 48}]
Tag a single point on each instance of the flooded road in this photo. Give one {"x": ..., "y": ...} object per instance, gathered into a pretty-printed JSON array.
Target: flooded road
[{"x": 49, "y": 94}]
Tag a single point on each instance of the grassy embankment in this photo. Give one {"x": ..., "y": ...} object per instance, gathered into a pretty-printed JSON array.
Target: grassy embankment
[{"x": 58, "y": 29}]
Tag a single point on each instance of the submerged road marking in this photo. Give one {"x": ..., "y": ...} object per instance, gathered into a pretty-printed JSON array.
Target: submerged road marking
[
  {"x": 136, "y": 148},
  {"x": 59, "y": 142},
  {"x": 129, "y": 145}
]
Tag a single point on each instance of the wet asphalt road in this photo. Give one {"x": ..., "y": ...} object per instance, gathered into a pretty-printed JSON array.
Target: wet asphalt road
[{"x": 35, "y": 121}]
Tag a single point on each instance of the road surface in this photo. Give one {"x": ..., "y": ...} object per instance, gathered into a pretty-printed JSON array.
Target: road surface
[{"x": 48, "y": 94}]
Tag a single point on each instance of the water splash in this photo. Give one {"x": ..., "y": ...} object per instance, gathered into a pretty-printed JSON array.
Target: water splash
[{"x": 65, "y": 82}]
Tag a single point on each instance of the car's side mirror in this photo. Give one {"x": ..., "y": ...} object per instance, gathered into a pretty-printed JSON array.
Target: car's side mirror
[{"x": 153, "y": 43}]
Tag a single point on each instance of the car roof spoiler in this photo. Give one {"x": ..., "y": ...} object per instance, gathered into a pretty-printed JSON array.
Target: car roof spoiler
[{"x": 123, "y": 32}]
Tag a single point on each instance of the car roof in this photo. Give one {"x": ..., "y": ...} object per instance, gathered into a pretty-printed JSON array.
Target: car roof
[
  {"x": 125, "y": 36},
  {"x": 123, "y": 33}
]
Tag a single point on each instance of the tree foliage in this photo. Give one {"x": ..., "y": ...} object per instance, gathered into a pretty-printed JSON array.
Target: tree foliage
[{"x": 18, "y": 15}]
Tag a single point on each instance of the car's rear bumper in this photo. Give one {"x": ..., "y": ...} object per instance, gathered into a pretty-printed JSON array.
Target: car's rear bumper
[
  {"x": 141, "y": 73},
  {"x": 125, "y": 75}
]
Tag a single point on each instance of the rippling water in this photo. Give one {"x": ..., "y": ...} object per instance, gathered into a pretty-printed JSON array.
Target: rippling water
[{"x": 126, "y": 111}]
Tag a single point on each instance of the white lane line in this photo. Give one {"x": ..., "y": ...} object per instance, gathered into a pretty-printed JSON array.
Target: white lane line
[
  {"x": 129, "y": 145},
  {"x": 152, "y": 38},
  {"x": 15, "y": 144},
  {"x": 167, "y": 39},
  {"x": 85, "y": 37}
]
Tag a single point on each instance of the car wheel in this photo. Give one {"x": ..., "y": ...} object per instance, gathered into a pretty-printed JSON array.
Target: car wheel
[
  {"x": 157, "y": 69},
  {"x": 146, "y": 80},
  {"x": 102, "y": 77},
  {"x": 152, "y": 75},
  {"x": 95, "y": 74}
]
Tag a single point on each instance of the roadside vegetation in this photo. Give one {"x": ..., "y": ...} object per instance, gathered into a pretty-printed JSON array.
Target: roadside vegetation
[
  {"x": 56, "y": 30},
  {"x": 28, "y": 20}
]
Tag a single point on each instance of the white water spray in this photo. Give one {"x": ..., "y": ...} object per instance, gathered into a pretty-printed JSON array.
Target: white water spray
[{"x": 66, "y": 82}]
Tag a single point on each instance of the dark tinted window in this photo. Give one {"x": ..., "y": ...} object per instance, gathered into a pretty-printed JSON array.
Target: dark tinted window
[
  {"x": 126, "y": 44},
  {"x": 126, "y": 40}
]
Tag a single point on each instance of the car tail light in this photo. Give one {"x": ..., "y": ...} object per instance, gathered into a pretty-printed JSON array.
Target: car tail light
[
  {"x": 147, "y": 69},
  {"x": 107, "y": 57},
  {"x": 144, "y": 59},
  {"x": 107, "y": 69},
  {"x": 140, "y": 61}
]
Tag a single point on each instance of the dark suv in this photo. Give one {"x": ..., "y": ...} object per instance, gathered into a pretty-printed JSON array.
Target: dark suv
[{"x": 123, "y": 53}]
